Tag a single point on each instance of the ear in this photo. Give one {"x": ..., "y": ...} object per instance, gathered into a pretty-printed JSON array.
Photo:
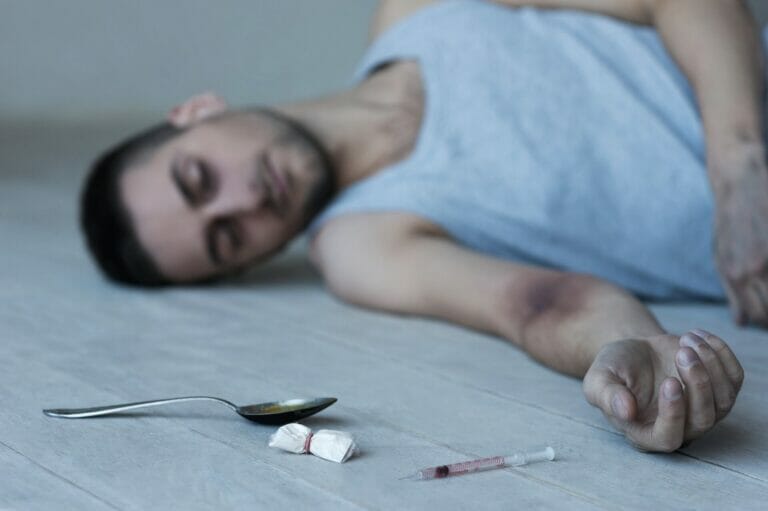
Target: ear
[{"x": 195, "y": 109}]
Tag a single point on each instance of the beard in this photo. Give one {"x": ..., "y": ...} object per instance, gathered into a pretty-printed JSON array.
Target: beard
[{"x": 296, "y": 135}]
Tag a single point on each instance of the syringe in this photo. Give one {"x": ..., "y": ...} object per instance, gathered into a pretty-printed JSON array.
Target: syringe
[{"x": 466, "y": 467}]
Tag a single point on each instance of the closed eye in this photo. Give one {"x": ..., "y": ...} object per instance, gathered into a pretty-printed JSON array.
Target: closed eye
[{"x": 194, "y": 179}]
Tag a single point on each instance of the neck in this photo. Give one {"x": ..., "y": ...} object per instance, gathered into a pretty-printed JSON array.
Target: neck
[{"x": 363, "y": 129}]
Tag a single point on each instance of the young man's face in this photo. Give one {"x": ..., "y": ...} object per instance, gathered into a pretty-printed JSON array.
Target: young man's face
[{"x": 224, "y": 193}]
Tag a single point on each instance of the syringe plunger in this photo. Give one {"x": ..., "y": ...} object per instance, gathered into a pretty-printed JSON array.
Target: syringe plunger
[{"x": 523, "y": 458}]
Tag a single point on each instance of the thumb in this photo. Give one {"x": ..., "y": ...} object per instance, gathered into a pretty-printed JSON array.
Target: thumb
[{"x": 609, "y": 393}]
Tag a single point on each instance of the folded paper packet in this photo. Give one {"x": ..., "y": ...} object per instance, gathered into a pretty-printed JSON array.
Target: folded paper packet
[{"x": 328, "y": 444}]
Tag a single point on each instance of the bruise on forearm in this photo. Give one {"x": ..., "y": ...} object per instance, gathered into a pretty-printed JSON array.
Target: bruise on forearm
[
  {"x": 562, "y": 319},
  {"x": 547, "y": 307},
  {"x": 556, "y": 297}
]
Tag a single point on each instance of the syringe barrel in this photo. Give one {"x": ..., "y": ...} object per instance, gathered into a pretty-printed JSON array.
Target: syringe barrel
[
  {"x": 464, "y": 467},
  {"x": 525, "y": 457}
]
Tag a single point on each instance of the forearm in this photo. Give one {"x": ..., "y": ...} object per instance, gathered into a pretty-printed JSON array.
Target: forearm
[
  {"x": 561, "y": 319},
  {"x": 581, "y": 314},
  {"x": 718, "y": 46}
]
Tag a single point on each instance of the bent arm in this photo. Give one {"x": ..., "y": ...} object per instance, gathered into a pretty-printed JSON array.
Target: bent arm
[
  {"x": 560, "y": 319},
  {"x": 718, "y": 46},
  {"x": 716, "y": 43}
]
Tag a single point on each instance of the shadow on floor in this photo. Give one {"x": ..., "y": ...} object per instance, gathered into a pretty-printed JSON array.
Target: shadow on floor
[
  {"x": 725, "y": 437},
  {"x": 290, "y": 269}
]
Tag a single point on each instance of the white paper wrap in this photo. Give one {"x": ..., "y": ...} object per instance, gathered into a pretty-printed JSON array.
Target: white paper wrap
[{"x": 328, "y": 444}]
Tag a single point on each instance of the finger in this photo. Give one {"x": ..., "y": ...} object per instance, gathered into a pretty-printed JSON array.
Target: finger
[
  {"x": 178, "y": 116},
  {"x": 730, "y": 363},
  {"x": 738, "y": 314},
  {"x": 700, "y": 410},
  {"x": 722, "y": 386},
  {"x": 761, "y": 290},
  {"x": 751, "y": 300},
  {"x": 667, "y": 432},
  {"x": 606, "y": 391},
  {"x": 623, "y": 404},
  {"x": 195, "y": 109}
]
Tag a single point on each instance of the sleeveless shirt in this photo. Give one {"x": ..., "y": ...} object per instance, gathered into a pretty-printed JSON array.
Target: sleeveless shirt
[{"x": 554, "y": 138}]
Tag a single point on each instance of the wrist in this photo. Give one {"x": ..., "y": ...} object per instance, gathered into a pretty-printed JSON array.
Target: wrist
[
  {"x": 732, "y": 163},
  {"x": 731, "y": 123},
  {"x": 619, "y": 316}
]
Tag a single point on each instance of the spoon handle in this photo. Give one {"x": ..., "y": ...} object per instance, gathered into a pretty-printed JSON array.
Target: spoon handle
[{"x": 82, "y": 413}]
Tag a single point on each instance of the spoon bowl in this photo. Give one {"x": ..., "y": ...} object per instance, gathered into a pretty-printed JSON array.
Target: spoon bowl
[
  {"x": 284, "y": 412},
  {"x": 272, "y": 413}
]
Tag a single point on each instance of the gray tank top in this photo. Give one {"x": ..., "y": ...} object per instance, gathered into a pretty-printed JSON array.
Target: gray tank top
[{"x": 554, "y": 138}]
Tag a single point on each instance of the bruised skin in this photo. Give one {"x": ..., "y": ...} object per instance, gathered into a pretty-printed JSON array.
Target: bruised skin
[
  {"x": 555, "y": 297},
  {"x": 549, "y": 305}
]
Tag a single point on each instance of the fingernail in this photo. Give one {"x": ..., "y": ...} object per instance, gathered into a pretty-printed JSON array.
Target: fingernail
[
  {"x": 671, "y": 391},
  {"x": 686, "y": 358},
  {"x": 690, "y": 340},
  {"x": 701, "y": 333},
  {"x": 618, "y": 407}
]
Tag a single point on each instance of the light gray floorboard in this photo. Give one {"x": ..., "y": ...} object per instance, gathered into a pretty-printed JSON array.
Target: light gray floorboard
[
  {"x": 28, "y": 485},
  {"x": 414, "y": 392},
  {"x": 133, "y": 464}
]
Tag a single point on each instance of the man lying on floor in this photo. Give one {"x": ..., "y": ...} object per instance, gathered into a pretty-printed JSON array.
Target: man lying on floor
[{"x": 523, "y": 172}]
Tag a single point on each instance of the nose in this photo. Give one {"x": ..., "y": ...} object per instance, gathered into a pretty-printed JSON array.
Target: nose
[{"x": 235, "y": 198}]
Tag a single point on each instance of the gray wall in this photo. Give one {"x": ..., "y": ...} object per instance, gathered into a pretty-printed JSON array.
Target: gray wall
[
  {"x": 86, "y": 58},
  {"x": 761, "y": 9},
  {"x": 105, "y": 58}
]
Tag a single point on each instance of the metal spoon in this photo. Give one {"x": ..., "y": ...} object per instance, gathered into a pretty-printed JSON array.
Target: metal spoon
[{"x": 278, "y": 412}]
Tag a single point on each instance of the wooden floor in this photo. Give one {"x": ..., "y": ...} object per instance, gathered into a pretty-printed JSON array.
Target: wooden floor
[{"x": 414, "y": 392}]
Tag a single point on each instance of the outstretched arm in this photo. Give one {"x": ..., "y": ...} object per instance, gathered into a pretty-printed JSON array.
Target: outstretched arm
[{"x": 573, "y": 323}]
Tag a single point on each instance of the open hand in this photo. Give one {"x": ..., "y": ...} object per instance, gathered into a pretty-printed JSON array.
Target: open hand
[
  {"x": 664, "y": 390},
  {"x": 741, "y": 233}
]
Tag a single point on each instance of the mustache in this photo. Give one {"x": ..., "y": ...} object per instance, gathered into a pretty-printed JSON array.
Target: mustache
[{"x": 297, "y": 134}]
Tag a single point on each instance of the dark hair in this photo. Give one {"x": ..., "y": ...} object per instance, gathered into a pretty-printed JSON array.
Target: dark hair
[{"x": 104, "y": 219}]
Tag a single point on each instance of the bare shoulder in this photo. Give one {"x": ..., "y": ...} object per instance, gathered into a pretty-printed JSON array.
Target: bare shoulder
[
  {"x": 390, "y": 12},
  {"x": 355, "y": 247}
]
